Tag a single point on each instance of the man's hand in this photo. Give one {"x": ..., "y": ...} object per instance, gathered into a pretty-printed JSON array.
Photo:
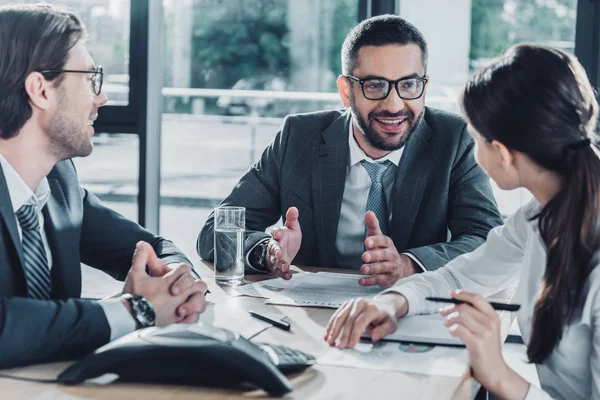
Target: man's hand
[
  {"x": 174, "y": 293},
  {"x": 284, "y": 245},
  {"x": 384, "y": 265},
  {"x": 379, "y": 317}
]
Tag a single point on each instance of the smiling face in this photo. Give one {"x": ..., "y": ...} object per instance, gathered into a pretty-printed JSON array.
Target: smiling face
[
  {"x": 70, "y": 127},
  {"x": 386, "y": 124}
]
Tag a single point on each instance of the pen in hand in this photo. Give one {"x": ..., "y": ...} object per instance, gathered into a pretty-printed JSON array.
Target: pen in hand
[{"x": 496, "y": 306}]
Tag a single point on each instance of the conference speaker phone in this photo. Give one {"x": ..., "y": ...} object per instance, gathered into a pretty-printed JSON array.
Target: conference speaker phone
[{"x": 191, "y": 354}]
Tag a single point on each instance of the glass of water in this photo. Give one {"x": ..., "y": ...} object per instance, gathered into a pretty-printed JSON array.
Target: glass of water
[{"x": 230, "y": 223}]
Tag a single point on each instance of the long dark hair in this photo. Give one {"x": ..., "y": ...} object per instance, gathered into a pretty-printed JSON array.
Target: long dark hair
[
  {"x": 538, "y": 101},
  {"x": 33, "y": 37}
]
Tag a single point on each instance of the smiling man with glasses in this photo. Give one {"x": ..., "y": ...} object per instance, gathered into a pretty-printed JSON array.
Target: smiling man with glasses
[{"x": 387, "y": 186}]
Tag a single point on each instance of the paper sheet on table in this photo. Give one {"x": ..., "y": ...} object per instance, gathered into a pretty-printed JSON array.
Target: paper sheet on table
[
  {"x": 427, "y": 360},
  {"x": 321, "y": 289},
  {"x": 427, "y": 329},
  {"x": 233, "y": 318}
]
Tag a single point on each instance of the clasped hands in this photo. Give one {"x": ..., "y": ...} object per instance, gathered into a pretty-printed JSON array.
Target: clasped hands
[
  {"x": 383, "y": 266},
  {"x": 176, "y": 295}
]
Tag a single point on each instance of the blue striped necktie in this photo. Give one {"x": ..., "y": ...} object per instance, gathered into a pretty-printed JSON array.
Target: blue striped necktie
[
  {"x": 37, "y": 271},
  {"x": 376, "y": 200}
]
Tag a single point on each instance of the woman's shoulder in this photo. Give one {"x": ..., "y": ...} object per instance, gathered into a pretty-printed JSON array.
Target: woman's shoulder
[{"x": 523, "y": 220}]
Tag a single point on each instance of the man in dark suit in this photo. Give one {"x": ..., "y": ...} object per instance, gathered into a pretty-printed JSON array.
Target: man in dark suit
[
  {"x": 51, "y": 92},
  {"x": 410, "y": 167}
]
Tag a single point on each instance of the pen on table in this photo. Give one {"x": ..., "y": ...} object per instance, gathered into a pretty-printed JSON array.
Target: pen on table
[
  {"x": 496, "y": 306},
  {"x": 275, "y": 322}
]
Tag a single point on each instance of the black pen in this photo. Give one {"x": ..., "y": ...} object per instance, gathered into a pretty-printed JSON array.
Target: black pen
[
  {"x": 497, "y": 306},
  {"x": 275, "y": 322}
]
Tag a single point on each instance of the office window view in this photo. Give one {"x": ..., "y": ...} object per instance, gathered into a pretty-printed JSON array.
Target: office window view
[{"x": 233, "y": 69}]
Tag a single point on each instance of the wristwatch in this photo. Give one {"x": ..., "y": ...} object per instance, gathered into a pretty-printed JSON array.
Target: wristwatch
[
  {"x": 143, "y": 311},
  {"x": 257, "y": 257}
]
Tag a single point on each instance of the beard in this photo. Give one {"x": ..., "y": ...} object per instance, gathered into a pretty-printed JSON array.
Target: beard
[
  {"x": 67, "y": 137},
  {"x": 377, "y": 140}
]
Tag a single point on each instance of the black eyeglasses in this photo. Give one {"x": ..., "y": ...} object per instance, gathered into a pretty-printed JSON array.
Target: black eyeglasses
[
  {"x": 96, "y": 80},
  {"x": 380, "y": 88}
]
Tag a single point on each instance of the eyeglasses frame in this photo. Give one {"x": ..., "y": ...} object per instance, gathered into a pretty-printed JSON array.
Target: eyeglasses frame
[
  {"x": 97, "y": 71},
  {"x": 391, "y": 84}
]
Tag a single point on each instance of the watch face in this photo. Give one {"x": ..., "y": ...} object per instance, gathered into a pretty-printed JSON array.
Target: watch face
[{"x": 145, "y": 311}]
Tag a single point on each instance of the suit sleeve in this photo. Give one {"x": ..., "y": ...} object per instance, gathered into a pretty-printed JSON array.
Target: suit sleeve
[
  {"x": 472, "y": 209},
  {"x": 36, "y": 331},
  {"x": 259, "y": 192},
  {"x": 108, "y": 239}
]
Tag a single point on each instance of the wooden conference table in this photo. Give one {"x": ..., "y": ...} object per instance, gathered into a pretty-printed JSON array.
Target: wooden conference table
[{"x": 318, "y": 382}]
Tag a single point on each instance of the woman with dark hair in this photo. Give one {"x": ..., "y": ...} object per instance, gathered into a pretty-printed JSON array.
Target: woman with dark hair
[{"x": 532, "y": 114}]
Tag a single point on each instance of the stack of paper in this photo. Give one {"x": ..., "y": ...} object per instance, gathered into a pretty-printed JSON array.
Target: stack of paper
[
  {"x": 326, "y": 289},
  {"x": 321, "y": 289}
]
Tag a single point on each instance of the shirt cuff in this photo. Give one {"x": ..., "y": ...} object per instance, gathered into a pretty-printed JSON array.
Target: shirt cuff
[
  {"x": 119, "y": 318},
  {"x": 415, "y": 259},
  {"x": 412, "y": 299}
]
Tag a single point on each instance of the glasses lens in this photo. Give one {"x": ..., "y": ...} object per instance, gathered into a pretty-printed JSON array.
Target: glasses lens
[
  {"x": 97, "y": 82},
  {"x": 410, "y": 88},
  {"x": 375, "y": 89}
]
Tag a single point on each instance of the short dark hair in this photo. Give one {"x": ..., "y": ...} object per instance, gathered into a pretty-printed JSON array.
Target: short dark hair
[
  {"x": 380, "y": 31},
  {"x": 33, "y": 37}
]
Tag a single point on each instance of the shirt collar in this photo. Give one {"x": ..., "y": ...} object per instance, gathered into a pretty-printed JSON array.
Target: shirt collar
[
  {"x": 357, "y": 154},
  {"x": 20, "y": 193}
]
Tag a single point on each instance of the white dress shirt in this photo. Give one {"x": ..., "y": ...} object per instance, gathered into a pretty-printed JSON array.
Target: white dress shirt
[
  {"x": 350, "y": 239},
  {"x": 119, "y": 319},
  {"x": 514, "y": 252}
]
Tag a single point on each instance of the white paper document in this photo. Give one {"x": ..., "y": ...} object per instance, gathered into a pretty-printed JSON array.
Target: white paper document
[
  {"x": 236, "y": 319},
  {"x": 426, "y": 329},
  {"x": 321, "y": 289},
  {"x": 417, "y": 359}
]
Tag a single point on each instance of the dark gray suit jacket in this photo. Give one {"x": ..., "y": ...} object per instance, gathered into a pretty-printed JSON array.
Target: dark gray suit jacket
[
  {"x": 438, "y": 187},
  {"x": 79, "y": 229}
]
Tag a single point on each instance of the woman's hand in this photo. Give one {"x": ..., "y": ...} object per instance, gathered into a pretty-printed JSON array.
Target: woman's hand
[
  {"x": 477, "y": 324},
  {"x": 379, "y": 317}
]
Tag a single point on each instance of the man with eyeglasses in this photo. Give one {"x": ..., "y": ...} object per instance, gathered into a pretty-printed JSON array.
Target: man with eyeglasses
[
  {"x": 49, "y": 224},
  {"x": 387, "y": 186}
]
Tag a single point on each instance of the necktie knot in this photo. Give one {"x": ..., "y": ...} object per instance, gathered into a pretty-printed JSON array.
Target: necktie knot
[
  {"x": 28, "y": 218},
  {"x": 376, "y": 170}
]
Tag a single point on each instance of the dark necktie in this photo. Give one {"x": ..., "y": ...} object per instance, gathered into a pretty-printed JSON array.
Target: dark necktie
[
  {"x": 37, "y": 271},
  {"x": 376, "y": 200}
]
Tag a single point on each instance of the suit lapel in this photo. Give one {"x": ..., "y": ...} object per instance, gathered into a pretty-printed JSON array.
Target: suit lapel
[
  {"x": 64, "y": 244},
  {"x": 411, "y": 180},
  {"x": 10, "y": 220},
  {"x": 329, "y": 165}
]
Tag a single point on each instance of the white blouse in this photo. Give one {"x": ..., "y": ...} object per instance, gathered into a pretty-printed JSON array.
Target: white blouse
[{"x": 516, "y": 251}]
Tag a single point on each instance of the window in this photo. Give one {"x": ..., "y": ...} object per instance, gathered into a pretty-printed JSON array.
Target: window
[
  {"x": 481, "y": 30},
  {"x": 231, "y": 74}
]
